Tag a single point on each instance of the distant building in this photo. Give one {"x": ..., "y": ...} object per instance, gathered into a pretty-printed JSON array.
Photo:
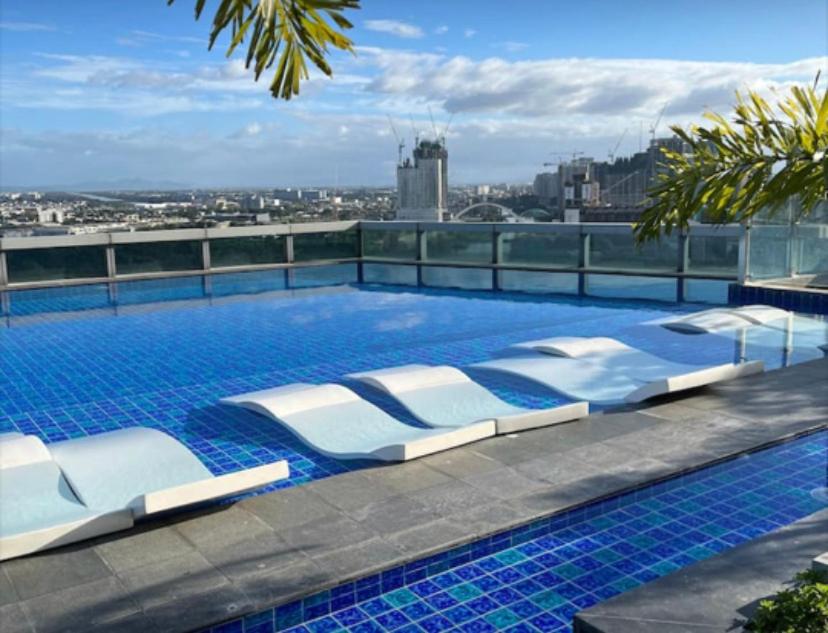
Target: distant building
[
  {"x": 422, "y": 185},
  {"x": 50, "y": 216},
  {"x": 545, "y": 187}
]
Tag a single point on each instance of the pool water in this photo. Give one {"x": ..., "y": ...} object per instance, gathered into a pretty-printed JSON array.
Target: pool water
[
  {"x": 160, "y": 354},
  {"x": 535, "y": 578}
]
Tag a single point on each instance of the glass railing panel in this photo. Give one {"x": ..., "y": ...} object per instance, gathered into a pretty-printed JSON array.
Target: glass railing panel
[
  {"x": 247, "y": 251},
  {"x": 389, "y": 274},
  {"x": 459, "y": 246},
  {"x": 541, "y": 249},
  {"x": 618, "y": 251},
  {"x": 538, "y": 282},
  {"x": 317, "y": 246},
  {"x": 333, "y": 275},
  {"x": 631, "y": 287},
  {"x": 717, "y": 254},
  {"x": 706, "y": 291},
  {"x": 770, "y": 251},
  {"x": 390, "y": 244},
  {"x": 51, "y": 264},
  {"x": 153, "y": 257},
  {"x": 462, "y": 278},
  {"x": 812, "y": 249}
]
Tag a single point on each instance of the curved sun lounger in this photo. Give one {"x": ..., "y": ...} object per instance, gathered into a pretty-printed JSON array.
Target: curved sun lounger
[
  {"x": 718, "y": 320},
  {"x": 607, "y": 371},
  {"x": 335, "y": 421},
  {"x": 444, "y": 396},
  {"x": 78, "y": 489}
]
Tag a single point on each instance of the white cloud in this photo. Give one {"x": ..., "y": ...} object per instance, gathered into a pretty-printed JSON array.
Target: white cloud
[
  {"x": 577, "y": 86},
  {"x": 395, "y": 27},
  {"x": 512, "y": 47},
  {"x": 441, "y": 30},
  {"x": 469, "y": 33},
  {"x": 25, "y": 27}
]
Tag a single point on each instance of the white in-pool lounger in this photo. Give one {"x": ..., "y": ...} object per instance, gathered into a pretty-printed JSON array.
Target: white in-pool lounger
[
  {"x": 444, "y": 396},
  {"x": 606, "y": 371},
  {"x": 335, "y": 421},
  {"x": 77, "y": 489},
  {"x": 726, "y": 319}
]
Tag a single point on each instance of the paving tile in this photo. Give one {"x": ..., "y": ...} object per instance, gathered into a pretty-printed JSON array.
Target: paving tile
[
  {"x": 450, "y": 498},
  {"x": 13, "y": 620},
  {"x": 395, "y": 513},
  {"x": 324, "y": 535},
  {"x": 288, "y": 508},
  {"x": 407, "y": 477},
  {"x": 153, "y": 544},
  {"x": 359, "y": 560},
  {"x": 174, "y": 579},
  {"x": 102, "y": 604},
  {"x": 253, "y": 555},
  {"x": 55, "y": 570},
  {"x": 431, "y": 536},
  {"x": 491, "y": 517},
  {"x": 275, "y": 586},
  {"x": 193, "y": 611},
  {"x": 504, "y": 483},
  {"x": 461, "y": 462},
  {"x": 222, "y": 528},
  {"x": 7, "y": 593},
  {"x": 350, "y": 491},
  {"x": 555, "y": 469}
]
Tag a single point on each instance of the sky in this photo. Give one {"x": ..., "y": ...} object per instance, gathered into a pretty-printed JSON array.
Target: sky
[{"x": 114, "y": 91}]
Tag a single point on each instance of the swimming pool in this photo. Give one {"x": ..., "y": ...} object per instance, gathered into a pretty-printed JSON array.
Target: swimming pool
[
  {"x": 161, "y": 353},
  {"x": 536, "y": 577}
]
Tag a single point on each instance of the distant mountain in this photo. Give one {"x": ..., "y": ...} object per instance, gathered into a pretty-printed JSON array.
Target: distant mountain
[{"x": 122, "y": 184}]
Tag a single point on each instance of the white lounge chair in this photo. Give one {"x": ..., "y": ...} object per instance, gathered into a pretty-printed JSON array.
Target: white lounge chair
[
  {"x": 444, "y": 396},
  {"x": 607, "y": 371},
  {"x": 65, "y": 492},
  {"x": 335, "y": 421},
  {"x": 725, "y": 319}
]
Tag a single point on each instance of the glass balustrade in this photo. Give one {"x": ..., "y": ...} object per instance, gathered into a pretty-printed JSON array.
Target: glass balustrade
[
  {"x": 247, "y": 251},
  {"x": 541, "y": 249},
  {"x": 390, "y": 244},
  {"x": 309, "y": 247},
  {"x": 459, "y": 246},
  {"x": 45, "y": 264},
  {"x": 618, "y": 251},
  {"x": 154, "y": 257}
]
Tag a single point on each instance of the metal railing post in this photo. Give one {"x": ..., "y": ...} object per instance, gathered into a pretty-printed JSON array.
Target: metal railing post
[
  {"x": 683, "y": 263},
  {"x": 422, "y": 253},
  {"x": 206, "y": 264},
  {"x": 289, "y": 253},
  {"x": 360, "y": 250},
  {"x": 111, "y": 266},
  {"x": 497, "y": 256},
  {"x": 583, "y": 262},
  {"x": 744, "y": 254},
  {"x": 4, "y": 271}
]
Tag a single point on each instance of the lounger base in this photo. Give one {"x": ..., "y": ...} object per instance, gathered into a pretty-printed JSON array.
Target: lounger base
[
  {"x": 695, "y": 379},
  {"x": 210, "y": 489},
  {"x": 543, "y": 417},
  {"x": 437, "y": 443},
  {"x": 64, "y": 534}
]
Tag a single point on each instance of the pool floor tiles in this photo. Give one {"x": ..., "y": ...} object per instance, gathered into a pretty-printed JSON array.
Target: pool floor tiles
[{"x": 536, "y": 577}]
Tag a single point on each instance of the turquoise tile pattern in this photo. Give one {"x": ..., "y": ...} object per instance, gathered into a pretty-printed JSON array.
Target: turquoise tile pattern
[{"x": 536, "y": 577}]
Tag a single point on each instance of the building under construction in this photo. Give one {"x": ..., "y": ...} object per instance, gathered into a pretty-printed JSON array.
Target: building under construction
[{"x": 422, "y": 183}]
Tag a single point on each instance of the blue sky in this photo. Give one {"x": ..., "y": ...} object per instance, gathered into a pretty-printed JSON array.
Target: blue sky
[{"x": 106, "y": 90}]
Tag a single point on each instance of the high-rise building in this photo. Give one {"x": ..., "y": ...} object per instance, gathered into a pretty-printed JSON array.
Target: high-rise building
[{"x": 422, "y": 185}]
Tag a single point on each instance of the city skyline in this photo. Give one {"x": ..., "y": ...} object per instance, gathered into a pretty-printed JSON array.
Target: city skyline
[{"x": 133, "y": 95}]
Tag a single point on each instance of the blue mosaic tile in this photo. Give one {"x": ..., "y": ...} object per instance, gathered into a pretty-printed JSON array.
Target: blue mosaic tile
[{"x": 764, "y": 490}]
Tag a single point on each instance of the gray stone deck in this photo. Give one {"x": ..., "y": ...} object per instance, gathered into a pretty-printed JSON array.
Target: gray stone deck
[
  {"x": 716, "y": 595},
  {"x": 200, "y": 569}
]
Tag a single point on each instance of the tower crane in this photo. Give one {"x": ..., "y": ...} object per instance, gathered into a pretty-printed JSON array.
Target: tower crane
[
  {"x": 612, "y": 152},
  {"x": 654, "y": 126},
  {"x": 400, "y": 142}
]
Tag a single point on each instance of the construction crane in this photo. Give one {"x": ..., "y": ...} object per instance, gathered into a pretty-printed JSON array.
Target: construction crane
[
  {"x": 446, "y": 129},
  {"x": 612, "y": 152},
  {"x": 654, "y": 126},
  {"x": 414, "y": 130},
  {"x": 433, "y": 126},
  {"x": 572, "y": 153},
  {"x": 400, "y": 142}
]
